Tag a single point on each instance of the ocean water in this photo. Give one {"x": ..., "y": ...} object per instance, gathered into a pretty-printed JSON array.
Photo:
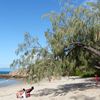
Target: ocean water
[
  {"x": 8, "y": 82},
  {"x": 2, "y": 81},
  {"x": 5, "y": 82},
  {"x": 4, "y": 71}
]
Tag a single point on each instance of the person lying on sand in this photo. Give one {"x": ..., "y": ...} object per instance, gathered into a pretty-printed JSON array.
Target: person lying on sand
[{"x": 24, "y": 93}]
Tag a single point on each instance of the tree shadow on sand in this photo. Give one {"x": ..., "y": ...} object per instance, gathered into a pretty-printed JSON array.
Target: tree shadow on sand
[
  {"x": 62, "y": 90},
  {"x": 82, "y": 97}
]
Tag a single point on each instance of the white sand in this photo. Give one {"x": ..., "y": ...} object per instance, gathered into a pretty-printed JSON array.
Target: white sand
[{"x": 63, "y": 89}]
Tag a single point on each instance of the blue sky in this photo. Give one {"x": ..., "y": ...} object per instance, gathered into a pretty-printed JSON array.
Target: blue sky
[{"x": 19, "y": 16}]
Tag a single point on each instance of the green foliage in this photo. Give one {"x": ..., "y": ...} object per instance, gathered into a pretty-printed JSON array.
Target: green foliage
[
  {"x": 61, "y": 57},
  {"x": 26, "y": 51},
  {"x": 88, "y": 74}
]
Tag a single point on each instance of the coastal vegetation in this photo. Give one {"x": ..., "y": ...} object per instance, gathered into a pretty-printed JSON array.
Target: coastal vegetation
[{"x": 72, "y": 48}]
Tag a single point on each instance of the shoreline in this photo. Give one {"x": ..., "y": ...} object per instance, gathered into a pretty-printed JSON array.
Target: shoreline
[
  {"x": 62, "y": 89},
  {"x": 9, "y": 82}
]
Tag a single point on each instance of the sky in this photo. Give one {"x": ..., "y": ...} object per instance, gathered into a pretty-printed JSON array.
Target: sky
[{"x": 20, "y": 16}]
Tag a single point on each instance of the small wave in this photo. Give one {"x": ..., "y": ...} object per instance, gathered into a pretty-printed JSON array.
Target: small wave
[
  {"x": 8, "y": 82},
  {"x": 3, "y": 81}
]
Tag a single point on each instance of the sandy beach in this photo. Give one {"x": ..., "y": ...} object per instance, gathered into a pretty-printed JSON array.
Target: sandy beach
[{"x": 73, "y": 88}]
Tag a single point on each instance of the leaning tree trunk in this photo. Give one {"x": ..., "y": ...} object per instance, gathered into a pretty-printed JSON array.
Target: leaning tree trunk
[
  {"x": 91, "y": 49},
  {"x": 86, "y": 47}
]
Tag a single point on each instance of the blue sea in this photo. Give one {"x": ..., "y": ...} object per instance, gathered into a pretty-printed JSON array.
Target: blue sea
[
  {"x": 4, "y": 71},
  {"x": 6, "y": 82}
]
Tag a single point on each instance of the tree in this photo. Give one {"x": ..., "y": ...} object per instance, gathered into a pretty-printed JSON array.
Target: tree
[
  {"x": 26, "y": 51},
  {"x": 73, "y": 44},
  {"x": 75, "y": 26}
]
